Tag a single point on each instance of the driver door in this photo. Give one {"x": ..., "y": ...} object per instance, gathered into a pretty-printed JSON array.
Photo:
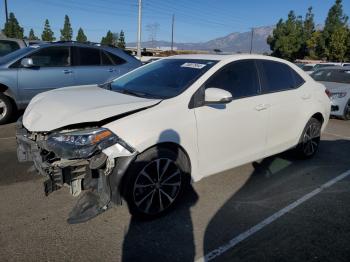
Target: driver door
[{"x": 235, "y": 133}]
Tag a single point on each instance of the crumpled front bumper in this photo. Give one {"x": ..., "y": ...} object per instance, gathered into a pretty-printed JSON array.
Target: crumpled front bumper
[{"x": 96, "y": 180}]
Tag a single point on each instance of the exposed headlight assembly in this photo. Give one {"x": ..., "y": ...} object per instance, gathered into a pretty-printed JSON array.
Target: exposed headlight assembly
[
  {"x": 80, "y": 143},
  {"x": 338, "y": 94}
]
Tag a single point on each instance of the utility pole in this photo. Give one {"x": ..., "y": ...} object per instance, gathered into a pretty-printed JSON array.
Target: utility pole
[
  {"x": 7, "y": 17},
  {"x": 251, "y": 41},
  {"x": 172, "y": 33},
  {"x": 139, "y": 31}
]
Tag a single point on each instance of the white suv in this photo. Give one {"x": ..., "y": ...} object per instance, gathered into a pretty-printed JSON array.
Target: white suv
[{"x": 147, "y": 134}]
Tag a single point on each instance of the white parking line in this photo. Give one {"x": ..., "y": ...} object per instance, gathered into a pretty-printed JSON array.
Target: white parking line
[{"x": 236, "y": 240}]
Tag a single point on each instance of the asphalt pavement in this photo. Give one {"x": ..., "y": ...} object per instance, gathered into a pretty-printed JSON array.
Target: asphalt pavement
[{"x": 211, "y": 218}]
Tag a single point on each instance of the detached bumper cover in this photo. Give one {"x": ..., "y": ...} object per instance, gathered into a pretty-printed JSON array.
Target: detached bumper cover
[{"x": 97, "y": 178}]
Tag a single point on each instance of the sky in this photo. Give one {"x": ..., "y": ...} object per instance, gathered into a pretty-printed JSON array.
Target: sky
[{"x": 195, "y": 20}]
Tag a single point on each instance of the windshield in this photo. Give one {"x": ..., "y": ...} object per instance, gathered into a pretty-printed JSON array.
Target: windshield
[
  {"x": 16, "y": 54},
  {"x": 332, "y": 75},
  {"x": 162, "y": 79}
]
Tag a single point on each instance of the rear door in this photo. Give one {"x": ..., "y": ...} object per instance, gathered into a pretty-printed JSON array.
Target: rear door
[
  {"x": 282, "y": 87},
  {"x": 93, "y": 66},
  {"x": 52, "y": 70}
]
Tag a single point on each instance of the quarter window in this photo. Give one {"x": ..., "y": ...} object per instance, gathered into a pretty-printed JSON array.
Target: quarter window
[
  {"x": 278, "y": 76},
  {"x": 56, "y": 56},
  {"x": 239, "y": 78}
]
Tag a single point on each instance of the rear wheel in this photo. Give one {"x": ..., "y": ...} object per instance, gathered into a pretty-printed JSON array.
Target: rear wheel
[
  {"x": 310, "y": 139},
  {"x": 6, "y": 109},
  {"x": 346, "y": 115},
  {"x": 155, "y": 182}
]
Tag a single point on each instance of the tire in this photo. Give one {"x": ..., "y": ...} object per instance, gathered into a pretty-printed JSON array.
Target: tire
[
  {"x": 6, "y": 109},
  {"x": 346, "y": 115},
  {"x": 147, "y": 196},
  {"x": 310, "y": 139}
]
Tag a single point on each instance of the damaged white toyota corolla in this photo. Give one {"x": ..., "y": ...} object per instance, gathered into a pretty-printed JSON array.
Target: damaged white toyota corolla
[{"x": 147, "y": 134}]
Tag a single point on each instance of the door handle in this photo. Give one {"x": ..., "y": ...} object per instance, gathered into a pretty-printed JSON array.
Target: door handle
[
  {"x": 306, "y": 96},
  {"x": 111, "y": 70},
  {"x": 67, "y": 71},
  {"x": 262, "y": 107}
]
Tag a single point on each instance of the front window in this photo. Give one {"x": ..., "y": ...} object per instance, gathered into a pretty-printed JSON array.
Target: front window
[
  {"x": 162, "y": 79},
  {"x": 55, "y": 56},
  {"x": 332, "y": 75}
]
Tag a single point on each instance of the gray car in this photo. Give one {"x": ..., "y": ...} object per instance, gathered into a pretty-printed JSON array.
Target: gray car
[
  {"x": 38, "y": 68},
  {"x": 337, "y": 81}
]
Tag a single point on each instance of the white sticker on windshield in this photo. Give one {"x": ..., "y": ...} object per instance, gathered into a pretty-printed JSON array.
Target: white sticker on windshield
[{"x": 193, "y": 65}]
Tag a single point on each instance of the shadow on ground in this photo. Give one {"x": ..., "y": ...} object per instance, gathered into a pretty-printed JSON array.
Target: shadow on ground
[{"x": 276, "y": 182}]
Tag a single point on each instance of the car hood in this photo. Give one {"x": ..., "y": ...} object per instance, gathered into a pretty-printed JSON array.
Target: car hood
[
  {"x": 333, "y": 86},
  {"x": 80, "y": 104}
]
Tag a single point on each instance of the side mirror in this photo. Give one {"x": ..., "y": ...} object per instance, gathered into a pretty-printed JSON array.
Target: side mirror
[
  {"x": 27, "y": 62},
  {"x": 215, "y": 95}
]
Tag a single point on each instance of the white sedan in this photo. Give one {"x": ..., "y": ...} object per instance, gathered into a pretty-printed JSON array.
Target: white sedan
[{"x": 147, "y": 134}]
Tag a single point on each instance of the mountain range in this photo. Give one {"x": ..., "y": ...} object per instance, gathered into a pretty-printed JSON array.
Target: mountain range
[{"x": 234, "y": 42}]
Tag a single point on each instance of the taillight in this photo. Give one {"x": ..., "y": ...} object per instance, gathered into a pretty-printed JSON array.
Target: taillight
[{"x": 328, "y": 93}]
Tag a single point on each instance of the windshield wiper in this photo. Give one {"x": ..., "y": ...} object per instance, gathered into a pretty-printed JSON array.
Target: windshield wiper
[{"x": 133, "y": 93}]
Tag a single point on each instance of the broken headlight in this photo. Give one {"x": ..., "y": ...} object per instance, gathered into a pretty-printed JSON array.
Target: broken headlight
[{"x": 80, "y": 143}]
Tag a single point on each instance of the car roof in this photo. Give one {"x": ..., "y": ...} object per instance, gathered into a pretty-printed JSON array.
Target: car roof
[
  {"x": 334, "y": 67},
  {"x": 225, "y": 57}
]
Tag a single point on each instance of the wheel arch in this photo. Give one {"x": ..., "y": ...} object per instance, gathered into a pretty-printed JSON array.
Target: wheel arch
[
  {"x": 176, "y": 148},
  {"x": 319, "y": 117},
  {"x": 7, "y": 91}
]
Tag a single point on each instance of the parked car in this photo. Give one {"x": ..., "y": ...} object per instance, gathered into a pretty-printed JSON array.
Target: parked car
[
  {"x": 145, "y": 135},
  {"x": 310, "y": 68},
  {"x": 337, "y": 80},
  {"x": 38, "y": 68},
  {"x": 8, "y": 45}
]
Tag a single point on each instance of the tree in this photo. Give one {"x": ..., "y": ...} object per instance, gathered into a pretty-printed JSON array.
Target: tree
[
  {"x": 308, "y": 31},
  {"x": 287, "y": 38},
  {"x": 338, "y": 45},
  {"x": 121, "y": 40},
  {"x": 334, "y": 28},
  {"x": 12, "y": 28},
  {"x": 47, "y": 34},
  {"x": 67, "y": 31},
  {"x": 81, "y": 37},
  {"x": 32, "y": 36},
  {"x": 313, "y": 45},
  {"x": 109, "y": 39}
]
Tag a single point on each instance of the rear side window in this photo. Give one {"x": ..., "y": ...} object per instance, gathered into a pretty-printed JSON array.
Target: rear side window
[
  {"x": 88, "y": 56},
  {"x": 278, "y": 77},
  {"x": 56, "y": 56},
  {"x": 239, "y": 78},
  {"x": 7, "y": 47}
]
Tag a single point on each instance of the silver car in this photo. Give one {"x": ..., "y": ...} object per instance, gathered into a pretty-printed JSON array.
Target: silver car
[
  {"x": 337, "y": 81},
  {"x": 38, "y": 68}
]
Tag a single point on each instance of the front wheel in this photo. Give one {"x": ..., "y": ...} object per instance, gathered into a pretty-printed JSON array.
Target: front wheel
[
  {"x": 154, "y": 182},
  {"x": 6, "y": 109},
  {"x": 310, "y": 139}
]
